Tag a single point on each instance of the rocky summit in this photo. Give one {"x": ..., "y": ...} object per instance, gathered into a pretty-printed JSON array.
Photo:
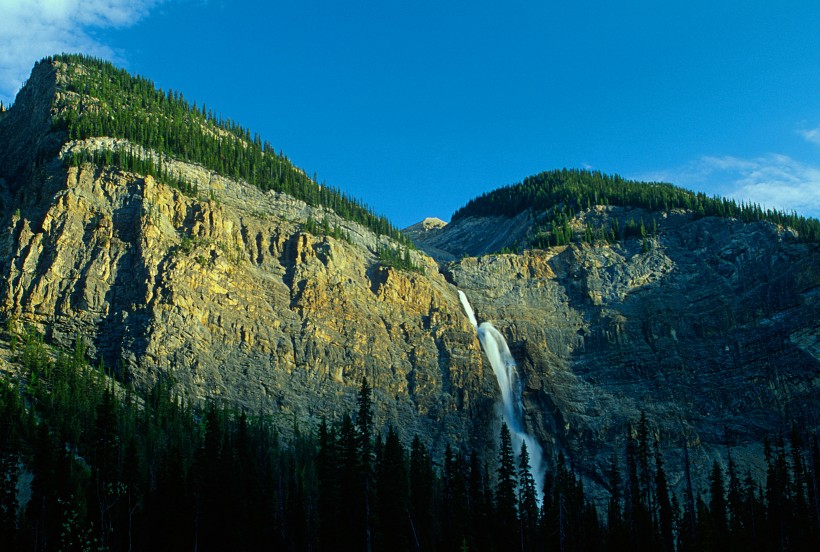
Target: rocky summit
[{"x": 174, "y": 270}]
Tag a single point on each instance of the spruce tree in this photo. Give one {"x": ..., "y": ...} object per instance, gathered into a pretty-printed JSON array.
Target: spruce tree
[
  {"x": 527, "y": 500},
  {"x": 421, "y": 495},
  {"x": 364, "y": 432},
  {"x": 665, "y": 512},
  {"x": 328, "y": 474},
  {"x": 393, "y": 495},
  {"x": 505, "y": 492}
]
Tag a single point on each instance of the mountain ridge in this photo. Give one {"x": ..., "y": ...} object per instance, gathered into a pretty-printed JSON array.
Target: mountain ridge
[{"x": 185, "y": 274}]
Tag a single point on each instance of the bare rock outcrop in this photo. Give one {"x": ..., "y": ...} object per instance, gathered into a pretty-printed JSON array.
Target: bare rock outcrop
[{"x": 711, "y": 327}]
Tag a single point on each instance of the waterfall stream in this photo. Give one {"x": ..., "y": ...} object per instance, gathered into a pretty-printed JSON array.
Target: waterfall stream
[{"x": 510, "y": 385}]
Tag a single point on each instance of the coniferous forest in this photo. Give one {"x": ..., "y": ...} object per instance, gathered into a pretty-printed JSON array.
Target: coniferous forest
[
  {"x": 107, "y": 101},
  {"x": 556, "y": 196},
  {"x": 87, "y": 463}
]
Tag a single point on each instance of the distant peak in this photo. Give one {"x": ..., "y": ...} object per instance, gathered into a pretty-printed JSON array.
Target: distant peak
[{"x": 430, "y": 223}]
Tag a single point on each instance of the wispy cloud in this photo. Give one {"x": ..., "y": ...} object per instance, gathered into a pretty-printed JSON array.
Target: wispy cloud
[
  {"x": 32, "y": 29},
  {"x": 811, "y": 135},
  {"x": 774, "y": 181}
]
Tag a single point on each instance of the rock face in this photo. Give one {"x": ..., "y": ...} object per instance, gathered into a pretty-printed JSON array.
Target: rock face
[
  {"x": 713, "y": 330},
  {"x": 228, "y": 297},
  {"x": 472, "y": 236},
  {"x": 239, "y": 306}
]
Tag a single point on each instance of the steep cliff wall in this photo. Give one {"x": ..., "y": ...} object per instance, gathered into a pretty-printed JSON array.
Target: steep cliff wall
[
  {"x": 712, "y": 329},
  {"x": 230, "y": 299}
]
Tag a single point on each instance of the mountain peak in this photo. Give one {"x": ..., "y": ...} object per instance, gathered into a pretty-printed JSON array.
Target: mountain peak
[
  {"x": 74, "y": 98},
  {"x": 185, "y": 251}
]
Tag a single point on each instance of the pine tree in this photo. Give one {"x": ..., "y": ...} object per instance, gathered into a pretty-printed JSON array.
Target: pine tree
[
  {"x": 814, "y": 486},
  {"x": 618, "y": 536},
  {"x": 734, "y": 506},
  {"x": 105, "y": 460},
  {"x": 364, "y": 431},
  {"x": 421, "y": 495},
  {"x": 527, "y": 500},
  {"x": 10, "y": 415},
  {"x": 665, "y": 512},
  {"x": 717, "y": 508},
  {"x": 636, "y": 510},
  {"x": 328, "y": 474},
  {"x": 352, "y": 528},
  {"x": 802, "y": 519},
  {"x": 456, "y": 509},
  {"x": 688, "y": 535},
  {"x": 505, "y": 495},
  {"x": 393, "y": 495},
  {"x": 480, "y": 505},
  {"x": 645, "y": 475}
]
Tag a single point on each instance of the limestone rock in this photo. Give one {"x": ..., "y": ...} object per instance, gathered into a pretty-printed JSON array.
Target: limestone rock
[{"x": 711, "y": 330}]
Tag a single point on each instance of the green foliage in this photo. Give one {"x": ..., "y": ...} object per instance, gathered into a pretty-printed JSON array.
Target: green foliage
[
  {"x": 505, "y": 490},
  {"x": 116, "y": 470},
  {"x": 399, "y": 258},
  {"x": 527, "y": 500},
  {"x": 557, "y": 196},
  {"x": 324, "y": 228},
  {"x": 129, "y": 159},
  {"x": 110, "y": 102}
]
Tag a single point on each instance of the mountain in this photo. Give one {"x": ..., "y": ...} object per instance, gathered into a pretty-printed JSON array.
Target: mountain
[
  {"x": 220, "y": 288},
  {"x": 185, "y": 251}
]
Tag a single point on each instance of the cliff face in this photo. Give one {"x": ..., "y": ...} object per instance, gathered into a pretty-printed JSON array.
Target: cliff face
[
  {"x": 712, "y": 330},
  {"x": 226, "y": 296},
  {"x": 243, "y": 307}
]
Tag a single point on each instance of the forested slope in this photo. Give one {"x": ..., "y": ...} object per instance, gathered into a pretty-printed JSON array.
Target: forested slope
[
  {"x": 89, "y": 464},
  {"x": 95, "y": 99},
  {"x": 555, "y": 197}
]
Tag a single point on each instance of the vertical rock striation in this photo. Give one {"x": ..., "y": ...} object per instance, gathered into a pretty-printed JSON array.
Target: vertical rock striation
[{"x": 712, "y": 330}]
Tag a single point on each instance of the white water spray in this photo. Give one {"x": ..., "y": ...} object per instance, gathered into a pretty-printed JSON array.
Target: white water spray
[
  {"x": 467, "y": 308},
  {"x": 506, "y": 373}
]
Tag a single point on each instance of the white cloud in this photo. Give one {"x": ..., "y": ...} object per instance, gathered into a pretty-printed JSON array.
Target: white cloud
[
  {"x": 777, "y": 181},
  {"x": 812, "y": 135},
  {"x": 33, "y": 29},
  {"x": 774, "y": 181}
]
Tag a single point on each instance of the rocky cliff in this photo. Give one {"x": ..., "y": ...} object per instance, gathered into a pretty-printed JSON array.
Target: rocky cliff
[
  {"x": 713, "y": 329},
  {"x": 225, "y": 294}
]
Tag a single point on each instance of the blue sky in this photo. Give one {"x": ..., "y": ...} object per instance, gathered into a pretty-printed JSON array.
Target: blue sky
[{"x": 417, "y": 106}]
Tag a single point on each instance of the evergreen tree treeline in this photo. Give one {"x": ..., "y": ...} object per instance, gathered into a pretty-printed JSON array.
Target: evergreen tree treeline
[
  {"x": 110, "y": 469},
  {"x": 567, "y": 192},
  {"x": 111, "y": 102}
]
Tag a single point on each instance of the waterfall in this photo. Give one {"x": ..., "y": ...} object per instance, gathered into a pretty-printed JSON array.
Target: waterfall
[
  {"x": 467, "y": 308},
  {"x": 510, "y": 385}
]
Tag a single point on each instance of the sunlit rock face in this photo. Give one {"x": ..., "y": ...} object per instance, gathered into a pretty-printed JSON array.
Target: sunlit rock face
[
  {"x": 223, "y": 292},
  {"x": 711, "y": 327}
]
